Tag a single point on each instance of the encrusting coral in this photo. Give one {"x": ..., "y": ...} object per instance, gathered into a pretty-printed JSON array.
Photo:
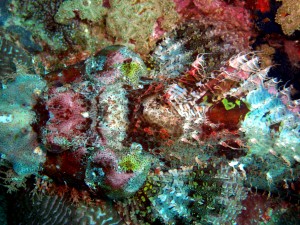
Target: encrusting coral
[
  {"x": 181, "y": 136},
  {"x": 288, "y": 16},
  {"x": 88, "y": 10},
  {"x": 16, "y": 119}
]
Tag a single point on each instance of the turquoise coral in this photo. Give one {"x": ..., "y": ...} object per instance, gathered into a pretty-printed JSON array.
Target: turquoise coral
[{"x": 19, "y": 143}]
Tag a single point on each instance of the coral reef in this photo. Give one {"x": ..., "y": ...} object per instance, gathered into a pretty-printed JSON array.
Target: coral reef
[
  {"x": 143, "y": 17},
  {"x": 49, "y": 209},
  {"x": 288, "y": 16},
  {"x": 87, "y": 10},
  {"x": 103, "y": 172},
  {"x": 17, "y": 115},
  {"x": 189, "y": 128}
]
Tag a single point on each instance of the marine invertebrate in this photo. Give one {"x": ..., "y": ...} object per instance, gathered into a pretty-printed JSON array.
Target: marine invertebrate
[
  {"x": 87, "y": 10},
  {"x": 116, "y": 64},
  {"x": 143, "y": 17},
  {"x": 49, "y": 209},
  {"x": 277, "y": 130},
  {"x": 103, "y": 173},
  {"x": 218, "y": 14},
  {"x": 17, "y": 115},
  {"x": 67, "y": 119},
  {"x": 288, "y": 16}
]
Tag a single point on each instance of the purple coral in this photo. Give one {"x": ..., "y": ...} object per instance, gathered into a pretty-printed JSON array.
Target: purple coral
[{"x": 107, "y": 160}]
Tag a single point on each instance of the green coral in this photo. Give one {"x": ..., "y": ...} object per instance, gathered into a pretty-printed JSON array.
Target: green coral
[
  {"x": 132, "y": 72},
  {"x": 227, "y": 104},
  {"x": 91, "y": 10},
  {"x": 135, "y": 160},
  {"x": 143, "y": 16},
  {"x": 132, "y": 162}
]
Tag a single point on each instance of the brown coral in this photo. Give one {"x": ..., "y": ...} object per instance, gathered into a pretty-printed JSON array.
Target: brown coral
[{"x": 288, "y": 16}]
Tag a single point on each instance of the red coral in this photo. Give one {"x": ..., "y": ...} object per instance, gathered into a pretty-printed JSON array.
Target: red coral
[{"x": 263, "y": 5}]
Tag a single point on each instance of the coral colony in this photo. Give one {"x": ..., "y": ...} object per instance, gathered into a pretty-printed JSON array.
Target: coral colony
[{"x": 150, "y": 112}]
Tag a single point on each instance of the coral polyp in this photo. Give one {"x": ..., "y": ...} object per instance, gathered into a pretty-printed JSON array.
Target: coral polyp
[{"x": 149, "y": 112}]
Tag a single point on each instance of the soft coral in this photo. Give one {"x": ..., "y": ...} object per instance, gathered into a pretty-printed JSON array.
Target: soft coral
[{"x": 67, "y": 120}]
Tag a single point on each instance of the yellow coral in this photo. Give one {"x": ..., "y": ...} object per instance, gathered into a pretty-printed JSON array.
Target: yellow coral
[{"x": 288, "y": 16}]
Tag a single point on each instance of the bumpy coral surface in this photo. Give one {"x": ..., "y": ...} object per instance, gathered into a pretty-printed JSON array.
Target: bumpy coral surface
[
  {"x": 17, "y": 115},
  {"x": 288, "y": 16},
  {"x": 190, "y": 128},
  {"x": 87, "y": 10}
]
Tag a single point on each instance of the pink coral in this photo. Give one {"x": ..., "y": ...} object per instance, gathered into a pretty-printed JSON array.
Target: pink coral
[
  {"x": 219, "y": 14},
  {"x": 117, "y": 180},
  {"x": 66, "y": 118},
  {"x": 107, "y": 160}
]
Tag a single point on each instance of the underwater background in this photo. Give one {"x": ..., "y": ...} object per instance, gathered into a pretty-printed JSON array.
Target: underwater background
[{"x": 150, "y": 112}]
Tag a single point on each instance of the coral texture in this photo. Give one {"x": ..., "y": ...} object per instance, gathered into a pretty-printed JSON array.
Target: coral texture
[
  {"x": 87, "y": 10},
  {"x": 49, "y": 209},
  {"x": 16, "y": 110},
  {"x": 67, "y": 119},
  {"x": 189, "y": 128},
  {"x": 288, "y": 16},
  {"x": 103, "y": 173}
]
